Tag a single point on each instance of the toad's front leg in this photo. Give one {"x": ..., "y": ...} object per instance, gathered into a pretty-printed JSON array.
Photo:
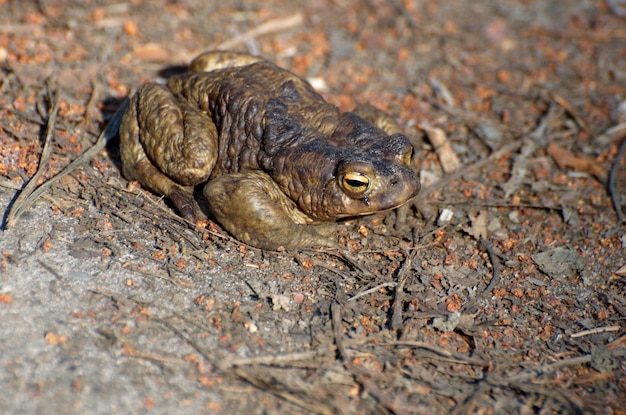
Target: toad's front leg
[{"x": 252, "y": 208}]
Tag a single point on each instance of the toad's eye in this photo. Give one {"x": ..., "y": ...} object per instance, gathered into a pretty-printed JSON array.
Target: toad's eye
[{"x": 355, "y": 183}]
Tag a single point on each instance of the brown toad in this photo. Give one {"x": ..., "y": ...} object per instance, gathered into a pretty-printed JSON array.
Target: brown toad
[{"x": 278, "y": 161}]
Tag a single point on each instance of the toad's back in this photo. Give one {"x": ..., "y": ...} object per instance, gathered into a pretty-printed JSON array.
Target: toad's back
[{"x": 258, "y": 110}]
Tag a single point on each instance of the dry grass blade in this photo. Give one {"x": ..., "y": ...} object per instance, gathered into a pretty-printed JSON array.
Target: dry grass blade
[
  {"x": 28, "y": 194},
  {"x": 364, "y": 273},
  {"x": 264, "y": 381},
  {"x": 439, "y": 353}
]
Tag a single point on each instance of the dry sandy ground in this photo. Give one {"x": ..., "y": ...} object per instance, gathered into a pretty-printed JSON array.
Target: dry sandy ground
[{"x": 109, "y": 303}]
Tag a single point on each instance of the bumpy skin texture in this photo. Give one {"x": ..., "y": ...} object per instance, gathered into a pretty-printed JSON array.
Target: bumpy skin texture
[{"x": 280, "y": 163}]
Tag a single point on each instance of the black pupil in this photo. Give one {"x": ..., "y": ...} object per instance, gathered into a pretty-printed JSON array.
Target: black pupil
[{"x": 355, "y": 183}]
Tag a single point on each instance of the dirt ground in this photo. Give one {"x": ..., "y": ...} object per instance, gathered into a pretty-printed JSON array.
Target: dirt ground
[{"x": 506, "y": 292}]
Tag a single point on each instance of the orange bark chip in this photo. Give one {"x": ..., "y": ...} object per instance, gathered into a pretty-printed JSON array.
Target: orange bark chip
[
  {"x": 53, "y": 338},
  {"x": 566, "y": 159},
  {"x": 131, "y": 29}
]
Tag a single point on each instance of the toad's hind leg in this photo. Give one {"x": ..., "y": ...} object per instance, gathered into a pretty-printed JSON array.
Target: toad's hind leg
[
  {"x": 251, "y": 207},
  {"x": 167, "y": 146}
]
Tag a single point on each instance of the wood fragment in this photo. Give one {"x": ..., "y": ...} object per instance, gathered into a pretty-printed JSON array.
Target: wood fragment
[
  {"x": 613, "y": 134},
  {"x": 616, "y": 344},
  {"x": 442, "y": 91},
  {"x": 151, "y": 52},
  {"x": 475, "y": 123},
  {"x": 519, "y": 169},
  {"x": 90, "y": 108},
  {"x": 447, "y": 156},
  {"x": 567, "y": 106},
  {"x": 466, "y": 116},
  {"x": 479, "y": 222},
  {"x": 566, "y": 159}
]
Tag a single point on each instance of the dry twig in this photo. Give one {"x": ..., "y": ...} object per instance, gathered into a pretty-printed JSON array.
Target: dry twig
[
  {"x": 372, "y": 290},
  {"x": 274, "y": 25},
  {"x": 596, "y": 330},
  {"x": 617, "y": 204},
  {"x": 494, "y": 278},
  {"x": 354, "y": 263},
  {"x": 403, "y": 275}
]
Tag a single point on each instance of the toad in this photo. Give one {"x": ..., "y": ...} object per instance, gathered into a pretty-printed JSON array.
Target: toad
[{"x": 278, "y": 164}]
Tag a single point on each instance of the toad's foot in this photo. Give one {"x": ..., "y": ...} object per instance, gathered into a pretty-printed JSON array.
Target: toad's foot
[{"x": 251, "y": 207}]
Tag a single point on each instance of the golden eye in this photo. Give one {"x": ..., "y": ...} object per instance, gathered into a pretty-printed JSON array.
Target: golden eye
[{"x": 355, "y": 182}]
